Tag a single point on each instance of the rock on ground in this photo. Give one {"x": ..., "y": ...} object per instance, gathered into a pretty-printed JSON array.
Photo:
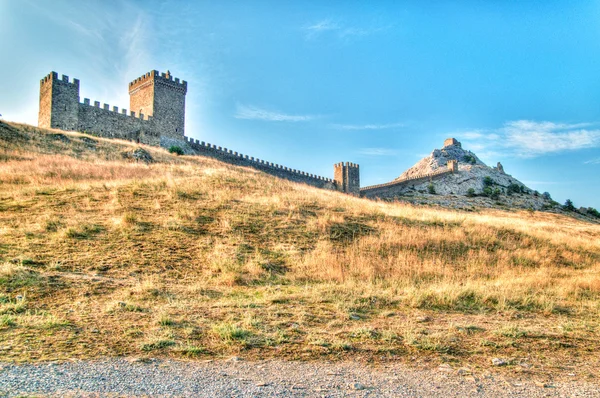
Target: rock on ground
[{"x": 167, "y": 378}]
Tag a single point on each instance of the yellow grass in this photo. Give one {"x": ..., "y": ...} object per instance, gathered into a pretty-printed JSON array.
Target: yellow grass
[{"x": 189, "y": 257}]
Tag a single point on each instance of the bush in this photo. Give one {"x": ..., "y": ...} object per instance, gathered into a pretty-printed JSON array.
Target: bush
[
  {"x": 593, "y": 212},
  {"x": 547, "y": 196},
  {"x": 495, "y": 194},
  {"x": 487, "y": 191},
  {"x": 176, "y": 150},
  {"x": 469, "y": 159},
  {"x": 514, "y": 188},
  {"x": 470, "y": 192},
  {"x": 569, "y": 205},
  {"x": 431, "y": 189},
  {"x": 536, "y": 193},
  {"x": 487, "y": 181}
]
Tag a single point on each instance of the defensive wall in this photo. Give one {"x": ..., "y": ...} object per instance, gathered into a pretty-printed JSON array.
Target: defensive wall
[
  {"x": 394, "y": 188},
  {"x": 229, "y": 156},
  {"x": 157, "y": 117},
  {"x": 157, "y": 109}
]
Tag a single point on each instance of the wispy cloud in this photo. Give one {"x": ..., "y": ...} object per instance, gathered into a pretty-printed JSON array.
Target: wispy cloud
[
  {"x": 366, "y": 126},
  {"x": 340, "y": 29},
  {"x": 526, "y": 138},
  {"x": 377, "y": 152},
  {"x": 593, "y": 161},
  {"x": 250, "y": 112}
]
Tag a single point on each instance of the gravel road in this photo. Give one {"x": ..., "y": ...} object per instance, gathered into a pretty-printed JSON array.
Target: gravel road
[{"x": 238, "y": 378}]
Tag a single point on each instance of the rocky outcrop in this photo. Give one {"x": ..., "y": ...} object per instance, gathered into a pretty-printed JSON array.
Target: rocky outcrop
[{"x": 473, "y": 183}]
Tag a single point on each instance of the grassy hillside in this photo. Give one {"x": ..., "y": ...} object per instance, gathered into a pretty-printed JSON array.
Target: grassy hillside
[{"x": 188, "y": 257}]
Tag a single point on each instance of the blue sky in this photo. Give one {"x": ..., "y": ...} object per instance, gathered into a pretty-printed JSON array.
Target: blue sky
[{"x": 311, "y": 83}]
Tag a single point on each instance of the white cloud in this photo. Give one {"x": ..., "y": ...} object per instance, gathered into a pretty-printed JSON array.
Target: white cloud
[
  {"x": 366, "y": 126},
  {"x": 377, "y": 152},
  {"x": 339, "y": 29},
  {"x": 526, "y": 138},
  {"x": 593, "y": 161},
  {"x": 250, "y": 112}
]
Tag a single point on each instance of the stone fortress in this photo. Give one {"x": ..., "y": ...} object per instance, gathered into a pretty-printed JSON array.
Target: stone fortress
[{"x": 157, "y": 117}]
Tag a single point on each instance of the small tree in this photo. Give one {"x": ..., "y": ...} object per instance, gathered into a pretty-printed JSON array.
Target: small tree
[
  {"x": 470, "y": 192},
  {"x": 176, "y": 150},
  {"x": 487, "y": 181},
  {"x": 593, "y": 212},
  {"x": 495, "y": 194},
  {"x": 431, "y": 189},
  {"x": 547, "y": 196},
  {"x": 569, "y": 205},
  {"x": 536, "y": 193},
  {"x": 514, "y": 188}
]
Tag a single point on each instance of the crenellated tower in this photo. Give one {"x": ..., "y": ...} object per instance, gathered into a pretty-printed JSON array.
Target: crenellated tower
[
  {"x": 347, "y": 177},
  {"x": 163, "y": 97},
  {"x": 59, "y": 102}
]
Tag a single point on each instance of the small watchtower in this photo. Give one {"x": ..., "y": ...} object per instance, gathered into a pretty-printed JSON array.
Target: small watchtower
[
  {"x": 59, "y": 102},
  {"x": 453, "y": 165},
  {"x": 163, "y": 97},
  {"x": 347, "y": 177},
  {"x": 451, "y": 141}
]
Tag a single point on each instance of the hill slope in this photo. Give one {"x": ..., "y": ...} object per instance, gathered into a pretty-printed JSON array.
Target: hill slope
[{"x": 107, "y": 251}]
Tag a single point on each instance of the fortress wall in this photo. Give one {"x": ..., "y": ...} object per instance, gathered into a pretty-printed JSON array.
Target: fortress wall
[
  {"x": 395, "y": 188},
  {"x": 110, "y": 123},
  {"x": 229, "y": 156}
]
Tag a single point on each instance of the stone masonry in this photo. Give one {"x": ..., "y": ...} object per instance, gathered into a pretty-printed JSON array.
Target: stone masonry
[
  {"x": 157, "y": 109},
  {"x": 157, "y": 117}
]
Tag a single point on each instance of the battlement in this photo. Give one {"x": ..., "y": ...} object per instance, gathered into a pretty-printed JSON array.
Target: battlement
[
  {"x": 115, "y": 109},
  {"x": 53, "y": 77},
  {"x": 452, "y": 167},
  {"x": 155, "y": 77},
  {"x": 230, "y": 156}
]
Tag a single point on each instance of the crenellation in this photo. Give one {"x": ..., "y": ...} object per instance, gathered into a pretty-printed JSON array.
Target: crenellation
[{"x": 156, "y": 116}]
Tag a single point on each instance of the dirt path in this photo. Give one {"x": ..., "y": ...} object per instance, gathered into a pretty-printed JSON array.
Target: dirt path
[{"x": 237, "y": 378}]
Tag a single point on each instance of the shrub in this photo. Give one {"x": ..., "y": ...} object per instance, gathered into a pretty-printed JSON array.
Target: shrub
[
  {"x": 547, "y": 196},
  {"x": 487, "y": 181},
  {"x": 593, "y": 212},
  {"x": 469, "y": 159},
  {"x": 470, "y": 192},
  {"x": 176, "y": 150},
  {"x": 431, "y": 189},
  {"x": 514, "y": 188},
  {"x": 569, "y": 205},
  {"x": 487, "y": 191},
  {"x": 495, "y": 194},
  {"x": 536, "y": 193}
]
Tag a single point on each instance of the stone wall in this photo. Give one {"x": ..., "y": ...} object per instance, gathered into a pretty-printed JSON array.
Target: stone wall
[
  {"x": 157, "y": 109},
  {"x": 239, "y": 159},
  {"x": 393, "y": 189},
  {"x": 111, "y": 123}
]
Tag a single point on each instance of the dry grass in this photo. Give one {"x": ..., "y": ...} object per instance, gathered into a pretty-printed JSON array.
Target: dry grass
[{"x": 189, "y": 257}]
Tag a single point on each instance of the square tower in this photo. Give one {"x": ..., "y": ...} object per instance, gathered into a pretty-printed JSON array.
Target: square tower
[
  {"x": 59, "y": 102},
  {"x": 162, "y": 97},
  {"x": 347, "y": 177}
]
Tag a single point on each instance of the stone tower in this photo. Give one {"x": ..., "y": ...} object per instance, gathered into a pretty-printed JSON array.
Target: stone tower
[
  {"x": 347, "y": 177},
  {"x": 59, "y": 102},
  {"x": 451, "y": 141},
  {"x": 160, "y": 96}
]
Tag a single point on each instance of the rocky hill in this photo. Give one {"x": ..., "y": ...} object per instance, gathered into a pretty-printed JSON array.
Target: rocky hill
[{"x": 475, "y": 184}]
